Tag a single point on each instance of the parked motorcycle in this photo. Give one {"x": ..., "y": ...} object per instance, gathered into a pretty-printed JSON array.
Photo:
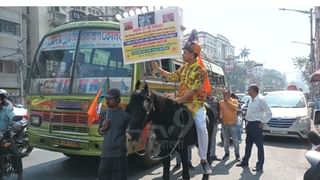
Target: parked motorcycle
[
  {"x": 20, "y": 135},
  {"x": 313, "y": 157}
]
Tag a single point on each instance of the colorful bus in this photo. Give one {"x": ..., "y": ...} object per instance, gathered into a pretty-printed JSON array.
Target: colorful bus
[{"x": 71, "y": 63}]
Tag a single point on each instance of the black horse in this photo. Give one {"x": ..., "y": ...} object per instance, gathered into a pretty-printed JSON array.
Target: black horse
[{"x": 172, "y": 123}]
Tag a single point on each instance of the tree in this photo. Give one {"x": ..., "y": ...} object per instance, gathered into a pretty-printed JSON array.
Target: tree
[
  {"x": 303, "y": 64},
  {"x": 244, "y": 54},
  {"x": 237, "y": 78},
  {"x": 273, "y": 80}
]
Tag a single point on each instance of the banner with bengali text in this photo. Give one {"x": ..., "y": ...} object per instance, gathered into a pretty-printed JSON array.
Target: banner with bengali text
[{"x": 151, "y": 36}]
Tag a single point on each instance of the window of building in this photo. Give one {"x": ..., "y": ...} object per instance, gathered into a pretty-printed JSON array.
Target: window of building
[
  {"x": 90, "y": 10},
  {"x": 83, "y": 8},
  {"x": 57, "y": 9},
  {"x": 77, "y": 8},
  {"x": 9, "y": 27},
  {"x": 7, "y": 67}
]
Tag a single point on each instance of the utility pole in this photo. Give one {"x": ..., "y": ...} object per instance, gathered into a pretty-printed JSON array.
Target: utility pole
[
  {"x": 312, "y": 58},
  {"x": 21, "y": 69}
]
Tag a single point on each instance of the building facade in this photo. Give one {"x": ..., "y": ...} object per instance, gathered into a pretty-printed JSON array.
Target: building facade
[
  {"x": 43, "y": 19},
  {"x": 216, "y": 49},
  {"x": 13, "y": 34}
]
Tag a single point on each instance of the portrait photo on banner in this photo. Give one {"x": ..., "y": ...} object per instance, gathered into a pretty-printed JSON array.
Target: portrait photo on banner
[{"x": 146, "y": 19}]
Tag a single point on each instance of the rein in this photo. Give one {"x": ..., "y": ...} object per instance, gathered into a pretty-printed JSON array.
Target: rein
[{"x": 157, "y": 158}]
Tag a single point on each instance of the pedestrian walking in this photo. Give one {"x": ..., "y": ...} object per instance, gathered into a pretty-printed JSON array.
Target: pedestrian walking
[{"x": 258, "y": 113}]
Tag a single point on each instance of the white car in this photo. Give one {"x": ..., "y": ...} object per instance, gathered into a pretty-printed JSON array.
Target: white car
[
  {"x": 20, "y": 113},
  {"x": 290, "y": 114}
]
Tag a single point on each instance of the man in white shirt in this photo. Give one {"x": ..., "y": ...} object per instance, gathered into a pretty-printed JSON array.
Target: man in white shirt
[{"x": 258, "y": 113}]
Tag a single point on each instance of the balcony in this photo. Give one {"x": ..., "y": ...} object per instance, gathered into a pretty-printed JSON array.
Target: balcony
[
  {"x": 56, "y": 18},
  {"x": 76, "y": 15}
]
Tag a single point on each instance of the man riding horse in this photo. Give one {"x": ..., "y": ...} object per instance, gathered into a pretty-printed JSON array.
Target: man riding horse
[{"x": 193, "y": 88}]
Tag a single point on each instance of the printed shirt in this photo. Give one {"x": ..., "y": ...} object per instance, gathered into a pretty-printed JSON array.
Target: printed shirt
[
  {"x": 258, "y": 110},
  {"x": 6, "y": 115},
  {"x": 228, "y": 111},
  {"x": 191, "y": 77}
]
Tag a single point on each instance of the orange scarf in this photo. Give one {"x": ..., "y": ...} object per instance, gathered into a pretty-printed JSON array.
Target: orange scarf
[{"x": 206, "y": 84}]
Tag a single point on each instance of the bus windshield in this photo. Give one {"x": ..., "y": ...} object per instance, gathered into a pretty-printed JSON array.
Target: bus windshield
[{"x": 61, "y": 59}]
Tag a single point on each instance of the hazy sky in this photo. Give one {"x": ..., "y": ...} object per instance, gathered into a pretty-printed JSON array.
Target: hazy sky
[{"x": 266, "y": 31}]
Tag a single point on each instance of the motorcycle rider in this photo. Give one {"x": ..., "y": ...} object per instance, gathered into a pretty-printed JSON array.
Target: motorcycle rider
[{"x": 6, "y": 115}]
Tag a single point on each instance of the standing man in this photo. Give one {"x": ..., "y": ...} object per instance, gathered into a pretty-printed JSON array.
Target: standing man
[
  {"x": 113, "y": 125},
  {"x": 258, "y": 113},
  {"x": 228, "y": 114},
  {"x": 191, "y": 92}
]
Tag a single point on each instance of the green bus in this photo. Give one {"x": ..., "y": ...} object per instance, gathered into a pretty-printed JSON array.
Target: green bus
[{"x": 71, "y": 63}]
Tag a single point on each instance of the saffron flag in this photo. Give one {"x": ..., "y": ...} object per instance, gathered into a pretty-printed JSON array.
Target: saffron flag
[
  {"x": 93, "y": 115},
  {"x": 95, "y": 107}
]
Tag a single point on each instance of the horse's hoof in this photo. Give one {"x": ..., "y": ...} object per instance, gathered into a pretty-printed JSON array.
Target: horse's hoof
[{"x": 165, "y": 178}]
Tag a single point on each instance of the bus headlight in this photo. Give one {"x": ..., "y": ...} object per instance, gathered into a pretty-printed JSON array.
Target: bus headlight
[{"x": 35, "y": 120}]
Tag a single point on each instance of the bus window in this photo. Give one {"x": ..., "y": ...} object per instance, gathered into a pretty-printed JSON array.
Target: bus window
[
  {"x": 164, "y": 64},
  {"x": 53, "y": 64},
  {"x": 177, "y": 66},
  {"x": 100, "y": 56}
]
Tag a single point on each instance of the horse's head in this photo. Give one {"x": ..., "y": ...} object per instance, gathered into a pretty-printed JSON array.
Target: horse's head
[{"x": 140, "y": 107}]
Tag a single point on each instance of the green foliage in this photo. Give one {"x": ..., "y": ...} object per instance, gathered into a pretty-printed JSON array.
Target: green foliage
[
  {"x": 303, "y": 64},
  {"x": 273, "y": 80}
]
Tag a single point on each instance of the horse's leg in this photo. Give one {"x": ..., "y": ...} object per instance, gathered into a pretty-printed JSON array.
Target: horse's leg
[
  {"x": 185, "y": 164},
  {"x": 166, "y": 167},
  {"x": 205, "y": 176}
]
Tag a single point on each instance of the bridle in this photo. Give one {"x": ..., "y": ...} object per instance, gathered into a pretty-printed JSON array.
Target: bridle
[{"x": 148, "y": 107}]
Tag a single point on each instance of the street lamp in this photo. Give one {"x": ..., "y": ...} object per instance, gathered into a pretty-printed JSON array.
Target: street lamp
[
  {"x": 310, "y": 13},
  {"x": 312, "y": 58},
  {"x": 297, "y": 42}
]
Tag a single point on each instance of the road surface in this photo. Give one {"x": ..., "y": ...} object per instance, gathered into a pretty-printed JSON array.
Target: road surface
[{"x": 284, "y": 161}]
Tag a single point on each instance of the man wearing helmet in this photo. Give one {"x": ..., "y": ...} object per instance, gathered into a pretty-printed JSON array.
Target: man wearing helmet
[{"x": 6, "y": 115}]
